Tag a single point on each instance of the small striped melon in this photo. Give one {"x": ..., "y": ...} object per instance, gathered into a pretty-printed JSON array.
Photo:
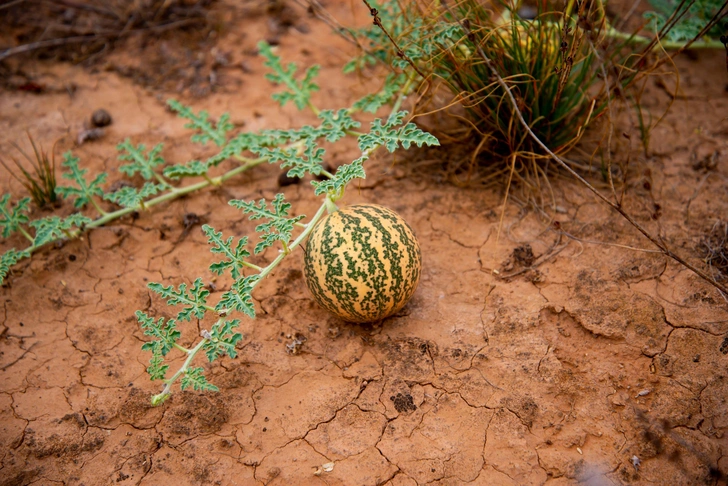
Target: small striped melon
[{"x": 362, "y": 263}]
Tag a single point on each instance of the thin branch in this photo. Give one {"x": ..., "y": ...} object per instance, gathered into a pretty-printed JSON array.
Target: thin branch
[{"x": 400, "y": 53}]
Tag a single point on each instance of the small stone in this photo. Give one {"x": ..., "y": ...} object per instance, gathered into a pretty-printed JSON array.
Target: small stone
[{"x": 101, "y": 118}]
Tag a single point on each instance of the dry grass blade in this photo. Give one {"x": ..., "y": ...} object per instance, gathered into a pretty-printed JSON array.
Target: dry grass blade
[{"x": 41, "y": 184}]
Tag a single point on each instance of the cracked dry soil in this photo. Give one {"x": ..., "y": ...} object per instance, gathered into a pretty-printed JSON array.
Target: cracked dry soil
[{"x": 559, "y": 375}]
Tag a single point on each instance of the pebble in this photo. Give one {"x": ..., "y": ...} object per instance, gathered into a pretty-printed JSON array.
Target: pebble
[{"x": 100, "y": 118}]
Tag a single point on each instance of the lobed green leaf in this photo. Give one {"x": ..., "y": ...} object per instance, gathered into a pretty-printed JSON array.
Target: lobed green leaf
[
  {"x": 299, "y": 92},
  {"x": 336, "y": 124},
  {"x": 194, "y": 300},
  {"x": 144, "y": 164},
  {"x": 216, "y": 133},
  {"x": 10, "y": 258},
  {"x": 157, "y": 369},
  {"x": 278, "y": 227},
  {"x": 12, "y": 217},
  {"x": 193, "y": 378},
  {"x": 391, "y": 134},
  {"x": 85, "y": 191},
  {"x": 235, "y": 256},
  {"x": 165, "y": 331},
  {"x": 310, "y": 160},
  {"x": 191, "y": 169},
  {"x": 130, "y": 197},
  {"x": 239, "y": 298},
  {"x": 344, "y": 174},
  {"x": 222, "y": 340},
  {"x": 52, "y": 228}
]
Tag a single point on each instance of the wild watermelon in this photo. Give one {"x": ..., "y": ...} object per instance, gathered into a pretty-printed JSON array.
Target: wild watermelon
[{"x": 362, "y": 263}]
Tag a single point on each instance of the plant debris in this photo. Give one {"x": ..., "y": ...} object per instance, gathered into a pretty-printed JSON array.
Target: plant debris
[{"x": 714, "y": 249}]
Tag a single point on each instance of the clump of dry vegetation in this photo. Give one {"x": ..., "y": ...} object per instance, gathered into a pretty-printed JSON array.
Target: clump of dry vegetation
[{"x": 714, "y": 247}]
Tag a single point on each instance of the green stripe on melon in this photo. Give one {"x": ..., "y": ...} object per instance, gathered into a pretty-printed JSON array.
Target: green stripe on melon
[{"x": 362, "y": 263}]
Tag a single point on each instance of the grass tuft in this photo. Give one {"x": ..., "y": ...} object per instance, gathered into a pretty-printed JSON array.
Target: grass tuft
[{"x": 40, "y": 182}]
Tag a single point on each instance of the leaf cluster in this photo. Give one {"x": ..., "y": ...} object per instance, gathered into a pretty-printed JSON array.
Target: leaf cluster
[
  {"x": 299, "y": 92},
  {"x": 207, "y": 130},
  {"x": 166, "y": 335},
  {"x": 84, "y": 191},
  {"x": 220, "y": 341},
  {"x": 142, "y": 163},
  {"x": 392, "y": 134},
  {"x": 131, "y": 197},
  {"x": 12, "y": 217},
  {"x": 298, "y": 151},
  {"x": 10, "y": 258},
  {"x": 53, "y": 228},
  {"x": 194, "y": 300},
  {"x": 278, "y": 226}
]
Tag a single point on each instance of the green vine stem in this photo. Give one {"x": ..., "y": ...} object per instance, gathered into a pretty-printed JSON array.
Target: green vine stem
[
  {"x": 172, "y": 194},
  {"x": 167, "y": 391}
]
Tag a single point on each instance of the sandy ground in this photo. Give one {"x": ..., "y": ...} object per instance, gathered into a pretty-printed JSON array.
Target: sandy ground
[{"x": 560, "y": 374}]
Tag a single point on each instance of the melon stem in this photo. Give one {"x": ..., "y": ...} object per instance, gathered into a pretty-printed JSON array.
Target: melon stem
[{"x": 331, "y": 207}]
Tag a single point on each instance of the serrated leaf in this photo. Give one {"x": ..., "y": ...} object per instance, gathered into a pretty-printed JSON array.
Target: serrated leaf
[
  {"x": 191, "y": 169},
  {"x": 130, "y": 197},
  {"x": 12, "y": 217},
  {"x": 299, "y": 91},
  {"x": 47, "y": 229},
  {"x": 144, "y": 164},
  {"x": 235, "y": 256},
  {"x": 222, "y": 340},
  {"x": 85, "y": 190},
  {"x": 194, "y": 378},
  {"x": 372, "y": 102},
  {"x": 52, "y": 228},
  {"x": 344, "y": 174},
  {"x": 201, "y": 123},
  {"x": 164, "y": 330},
  {"x": 391, "y": 135},
  {"x": 194, "y": 300},
  {"x": 157, "y": 369},
  {"x": 448, "y": 32},
  {"x": 310, "y": 160},
  {"x": 239, "y": 297},
  {"x": 10, "y": 258},
  {"x": 335, "y": 124},
  {"x": 278, "y": 227},
  {"x": 76, "y": 220}
]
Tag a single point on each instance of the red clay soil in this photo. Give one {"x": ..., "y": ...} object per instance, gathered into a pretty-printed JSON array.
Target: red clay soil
[{"x": 605, "y": 363}]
